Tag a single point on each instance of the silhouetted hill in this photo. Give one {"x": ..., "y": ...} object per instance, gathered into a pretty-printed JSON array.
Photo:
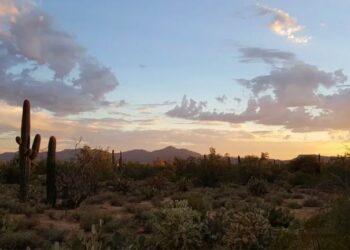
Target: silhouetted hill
[{"x": 137, "y": 155}]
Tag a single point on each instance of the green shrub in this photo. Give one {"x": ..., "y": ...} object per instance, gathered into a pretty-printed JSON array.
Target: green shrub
[
  {"x": 257, "y": 187},
  {"x": 175, "y": 226}
]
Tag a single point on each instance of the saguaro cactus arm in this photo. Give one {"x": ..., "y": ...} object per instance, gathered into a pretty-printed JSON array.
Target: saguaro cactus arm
[{"x": 35, "y": 147}]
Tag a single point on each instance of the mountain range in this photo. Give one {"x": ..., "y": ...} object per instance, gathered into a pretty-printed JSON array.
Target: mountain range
[{"x": 137, "y": 155}]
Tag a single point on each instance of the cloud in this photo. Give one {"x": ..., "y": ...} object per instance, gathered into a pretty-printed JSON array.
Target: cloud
[
  {"x": 238, "y": 100},
  {"x": 7, "y": 7},
  {"x": 288, "y": 96},
  {"x": 155, "y": 105},
  {"x": 221, "y": 99},
  {"x": 283, "y": 24},
  {"x": 269, "y": 56},
  {"x": 29, "y": 43}
]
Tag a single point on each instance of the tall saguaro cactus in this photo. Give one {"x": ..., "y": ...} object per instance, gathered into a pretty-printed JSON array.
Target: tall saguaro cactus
[
  {"x": 113, "y": 158},
  {"x": 120, "y": 160},
  {"x": 51, "y": 194},
  {"x": 26, "y": 154}
]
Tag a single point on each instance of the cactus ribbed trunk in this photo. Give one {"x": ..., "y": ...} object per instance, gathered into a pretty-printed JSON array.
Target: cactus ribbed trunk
[
  {"x": 51, "y": 194},
  {"x": 113, "y": 158},
  {"x": 26, "y": 155},
  {"x": 120, "y": 159}
]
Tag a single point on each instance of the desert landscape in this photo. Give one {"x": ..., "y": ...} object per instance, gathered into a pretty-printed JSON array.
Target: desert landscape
[
  {"x": 166, "y": 125},
  {"x": 96, "y": 200}
]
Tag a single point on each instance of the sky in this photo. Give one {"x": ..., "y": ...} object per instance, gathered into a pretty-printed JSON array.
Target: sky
[{"x": 244, "y": 77}]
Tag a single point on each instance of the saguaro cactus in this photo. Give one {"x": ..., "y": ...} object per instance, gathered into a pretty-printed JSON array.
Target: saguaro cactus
[
  {"x": 26, "y": 154},
  {"x": 113, "y": 158},
  {"x": 120, "y": 159},
  {"x": 51, "y": 172}
]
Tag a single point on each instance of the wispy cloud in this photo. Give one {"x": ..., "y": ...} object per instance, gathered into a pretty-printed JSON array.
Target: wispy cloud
[{"x": 283, "y": 24}]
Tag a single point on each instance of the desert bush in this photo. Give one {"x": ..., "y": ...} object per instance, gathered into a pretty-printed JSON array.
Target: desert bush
[
  {"x": 248, "y": 229},
  {"x": 312, "y": 202},
  {"x": 157, "y": 182},
  {"x": 294, "y": 205},
  {"x": 279, "y": 217},
  {"x": 96, "y": 160},
  {"x": 175, "y": 226},
  {"x": 138, "y": 171},
  {"x": 89, "y": 216},
  {"x": 297, "y": 196},
  {"x": 75, "y": 183},
  {"x": 122, "y": 185},
  {"x": 16, "y": 207},
  {"x": 78, "y": 178},
  {"x": 329, "y": 229},
  {"x": 184, "y": 184},
  {"x": 52, "y": 234},
  {"x": 276, "y": 200},
  {"x": 24, "y": 224},
  {"x": 302, "y": 179},
  {"x": 116, "y": 201},
  {"x": 214, "y": 227},
  {"x": 201, "y": 203},
  {"x": 257, "y": 187},
  {"x": 305, "y": 163},
  {"x": 7, "y": 224},
  {"x": 20, "y": 240},
  {"x": 99, "y": 199},
  {"x": 9, "y": 172}
]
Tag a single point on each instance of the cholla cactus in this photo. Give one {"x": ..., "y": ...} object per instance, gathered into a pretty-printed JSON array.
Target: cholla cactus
[
  {"x": 176, "y": 226},
  {"x": 248, "y": 229}
]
